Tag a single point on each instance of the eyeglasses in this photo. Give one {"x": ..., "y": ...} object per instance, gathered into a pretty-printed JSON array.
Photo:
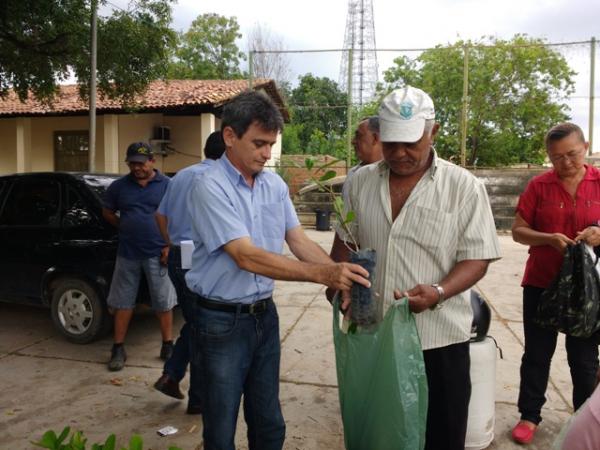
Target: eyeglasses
[{"x": 571, "y": 156}]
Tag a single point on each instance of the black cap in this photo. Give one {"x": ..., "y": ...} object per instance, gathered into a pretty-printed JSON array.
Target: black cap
[{"x": 139, "y": 152}]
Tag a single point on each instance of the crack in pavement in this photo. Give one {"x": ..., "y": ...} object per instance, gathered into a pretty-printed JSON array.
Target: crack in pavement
[
  {"x": 307, "y": 383},
  {"x": 304, "y": 309},
  {"x": 87, "y": 361},
  {"x": 19, "y": 350}
]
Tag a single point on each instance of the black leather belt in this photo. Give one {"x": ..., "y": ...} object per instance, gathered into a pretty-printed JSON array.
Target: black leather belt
[{"x": 257, "y": 307}]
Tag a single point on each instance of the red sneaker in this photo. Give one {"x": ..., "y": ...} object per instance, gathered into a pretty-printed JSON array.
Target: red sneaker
[{"x": 522, "y": 433}]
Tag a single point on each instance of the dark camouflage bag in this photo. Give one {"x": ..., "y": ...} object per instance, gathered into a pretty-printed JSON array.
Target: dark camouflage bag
[{"x": 572, "y": 302}]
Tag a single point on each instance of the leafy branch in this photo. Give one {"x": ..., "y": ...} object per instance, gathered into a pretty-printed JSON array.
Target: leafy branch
[
  {"x": 77, "y": 442},
  {"x": 344, "y": 219}
]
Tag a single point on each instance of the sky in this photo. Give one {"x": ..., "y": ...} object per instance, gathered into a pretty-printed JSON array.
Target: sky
[{"x": 320, "y": 24}]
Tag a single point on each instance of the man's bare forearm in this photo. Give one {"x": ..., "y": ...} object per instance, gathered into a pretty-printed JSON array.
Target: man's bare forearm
[
  {"x": 463, "y": 276},
  {"x": 305, "y": 249},
  {"x": 163, "y": 227},
  {"x": 256, "y": 260},
  {"x": 110, "y": 217}
]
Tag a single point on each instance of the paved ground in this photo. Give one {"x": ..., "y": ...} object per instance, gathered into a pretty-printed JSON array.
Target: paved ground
[{"x": 48, "y": 383}]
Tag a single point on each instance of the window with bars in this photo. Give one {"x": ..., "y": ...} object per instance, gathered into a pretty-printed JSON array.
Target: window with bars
[{"x": 71, "y": 150}]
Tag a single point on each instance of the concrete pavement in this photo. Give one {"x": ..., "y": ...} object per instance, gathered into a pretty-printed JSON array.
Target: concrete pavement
[{"x": 48, "y": 383}]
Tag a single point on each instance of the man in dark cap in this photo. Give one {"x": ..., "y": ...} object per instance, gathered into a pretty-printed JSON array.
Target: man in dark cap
[{"x": 135, "y": 197}]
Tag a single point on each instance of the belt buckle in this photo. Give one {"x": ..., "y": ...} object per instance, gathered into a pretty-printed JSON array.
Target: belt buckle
[
  {"x": 257, "y": 307},
  {"x": 252, "y": 308}
]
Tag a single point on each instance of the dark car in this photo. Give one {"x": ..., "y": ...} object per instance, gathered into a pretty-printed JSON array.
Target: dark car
[{"x": 57, "y": 250}]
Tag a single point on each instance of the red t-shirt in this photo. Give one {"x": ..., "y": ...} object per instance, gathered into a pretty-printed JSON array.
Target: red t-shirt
[{"x": 547, "y": 207}]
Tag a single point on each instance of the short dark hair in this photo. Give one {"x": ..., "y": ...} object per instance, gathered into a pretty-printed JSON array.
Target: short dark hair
[
  {"x": 250, "y": 107},
  {"x": 561, "y": 131},
  {"x": 214, "y": 147},
  {"x": 373, "y": 124}
]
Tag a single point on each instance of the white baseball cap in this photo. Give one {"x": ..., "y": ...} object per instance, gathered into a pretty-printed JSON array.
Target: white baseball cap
[{"x": 403, "y": 113}]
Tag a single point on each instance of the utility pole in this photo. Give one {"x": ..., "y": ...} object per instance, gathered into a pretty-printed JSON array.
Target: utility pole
[
  {"x": 349, "y": 111},
  {"x": 465, "y": 108},
  {"x": 93, "y": 55},
  {"x": 250, "y": 68}
]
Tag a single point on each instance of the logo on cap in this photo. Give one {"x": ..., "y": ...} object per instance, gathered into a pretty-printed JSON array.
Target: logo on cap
[{"x": 406, "y": 110}]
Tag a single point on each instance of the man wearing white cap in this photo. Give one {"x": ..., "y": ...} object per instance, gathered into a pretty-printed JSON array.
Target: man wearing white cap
[{"x": 431, "y": 224}]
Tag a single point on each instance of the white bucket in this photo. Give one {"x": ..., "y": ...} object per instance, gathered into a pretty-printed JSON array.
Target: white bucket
[{"x": 480, "y": 425}]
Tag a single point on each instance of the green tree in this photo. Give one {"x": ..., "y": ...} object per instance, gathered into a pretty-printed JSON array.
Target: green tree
[
  {"x": 290, "y": 141},
  {"x": 318, "y": 104},
  {"x": 45, "y": 42},
  {"x": 208, "y": 50},
  {"x": 517, "y": 90}
]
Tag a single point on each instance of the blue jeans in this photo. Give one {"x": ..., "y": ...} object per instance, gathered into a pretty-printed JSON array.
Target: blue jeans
[
  {"x": 176, "y": 365},
  {"x": 238, "y": 353}
]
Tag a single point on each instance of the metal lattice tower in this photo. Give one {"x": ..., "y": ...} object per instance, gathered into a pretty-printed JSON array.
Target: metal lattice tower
[{"x": 360, "y": 37}]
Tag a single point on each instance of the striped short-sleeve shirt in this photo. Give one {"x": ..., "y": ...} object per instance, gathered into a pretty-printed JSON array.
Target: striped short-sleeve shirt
[{"x": 446, "y": 219}]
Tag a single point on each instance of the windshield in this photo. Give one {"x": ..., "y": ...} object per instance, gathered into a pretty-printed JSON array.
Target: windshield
[{"x": 99, "y": 183}]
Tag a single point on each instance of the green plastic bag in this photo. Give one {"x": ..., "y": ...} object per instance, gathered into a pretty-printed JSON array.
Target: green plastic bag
[{"x": 382, "y": 383}]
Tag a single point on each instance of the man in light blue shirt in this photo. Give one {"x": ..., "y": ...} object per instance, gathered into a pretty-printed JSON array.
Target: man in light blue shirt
[
  {"x": 175, "y": 225},
  {"x": 241, "y": 216}
]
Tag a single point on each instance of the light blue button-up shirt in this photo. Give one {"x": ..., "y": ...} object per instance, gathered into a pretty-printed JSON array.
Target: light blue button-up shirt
[
  {"x": 224, "y": 208},
  {"x": 174, "y": 203}
]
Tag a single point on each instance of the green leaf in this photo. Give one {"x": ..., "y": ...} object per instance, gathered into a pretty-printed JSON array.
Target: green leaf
[
  {"x": 135, "y": 443},
  {"x": 329, "y": 164},
  {"x": 350, "y": 217},
  {"x": 309, "y": 163},
  {"x": 48, "y": 440},
  {"x": 63, "y": 435},
  {"x": 328, "y": 175},
  {"x": 77, "y": 441},
  {"x": 110, "y": 443}
]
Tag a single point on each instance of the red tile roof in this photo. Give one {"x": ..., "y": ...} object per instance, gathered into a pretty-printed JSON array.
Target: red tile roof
[{"x": 160, "y": 95}]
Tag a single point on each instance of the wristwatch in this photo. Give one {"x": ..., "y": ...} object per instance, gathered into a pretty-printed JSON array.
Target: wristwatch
[{"x": 441, "y": 297}]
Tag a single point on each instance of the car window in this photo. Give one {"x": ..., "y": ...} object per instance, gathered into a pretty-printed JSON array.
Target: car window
[
  {"x": 99, "y": 183},
  {"x": 77, "y": 212},
  {"x": 32, "y": 202}
]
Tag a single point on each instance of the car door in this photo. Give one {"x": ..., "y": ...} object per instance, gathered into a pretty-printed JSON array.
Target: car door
[
  {"x": 88, "y": 245},
  {"x": 29, "y": 232}
]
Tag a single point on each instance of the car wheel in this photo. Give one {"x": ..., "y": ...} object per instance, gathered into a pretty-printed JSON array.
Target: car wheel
[{"x": 77, "y": 311}]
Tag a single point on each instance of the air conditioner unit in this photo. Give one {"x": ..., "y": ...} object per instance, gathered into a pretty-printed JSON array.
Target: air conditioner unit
[{"x": 162, "y": 134}]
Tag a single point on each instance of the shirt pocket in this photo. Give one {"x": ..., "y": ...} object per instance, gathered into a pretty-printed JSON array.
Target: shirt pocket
[
  {"x": 430, "y": 228},
  {"x": 273, "y": 220},
  {"x": 551, "y": 216}
]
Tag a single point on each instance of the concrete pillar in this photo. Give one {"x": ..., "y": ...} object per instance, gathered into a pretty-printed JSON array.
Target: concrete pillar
[
  {"x": 111, "y": 143},
  {"x": 207, "y": 126},
  {"x": 23, "y": 144},
  {"x": 275, "y": 153}
]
